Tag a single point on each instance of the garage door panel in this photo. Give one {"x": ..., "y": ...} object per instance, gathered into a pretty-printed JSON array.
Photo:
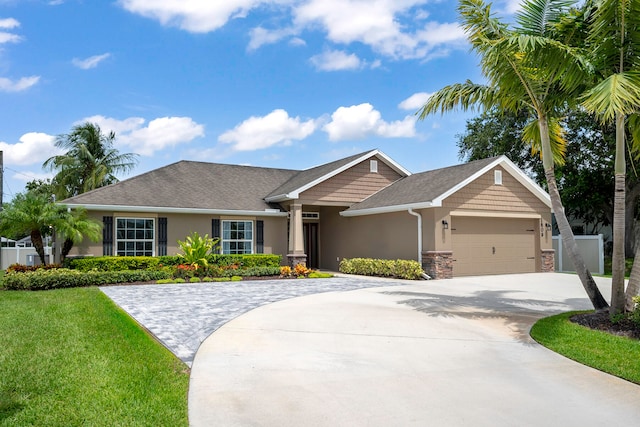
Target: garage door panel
[{"x": 493, "y": 246}]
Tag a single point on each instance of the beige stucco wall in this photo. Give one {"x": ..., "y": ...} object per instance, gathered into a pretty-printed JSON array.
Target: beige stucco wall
[
  {"x": 351, "y": 186},
  {"x": 179, "y": 226},
  {"x": 388, "y": 236}
]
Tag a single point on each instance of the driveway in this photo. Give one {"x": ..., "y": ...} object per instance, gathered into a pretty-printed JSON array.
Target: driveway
[{"x": 432, "y": 353}]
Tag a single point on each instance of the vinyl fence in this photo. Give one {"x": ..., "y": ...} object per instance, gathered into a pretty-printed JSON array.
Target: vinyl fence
[
  {"x": 591, "y": 248},
  {"x": 22, "y": 255}
]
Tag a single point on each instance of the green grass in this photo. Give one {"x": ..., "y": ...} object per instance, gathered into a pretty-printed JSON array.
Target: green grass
[
  {"x": 70, "y": 357},
  {"x": 615, "y": 355},
  {"x": 627, "y": 270}
]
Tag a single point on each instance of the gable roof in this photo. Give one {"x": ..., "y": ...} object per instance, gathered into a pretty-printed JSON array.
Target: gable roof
[
  {"x": 429, "y": 189},
  {"x": 190, "y": 186},
  {"x": 308, "y": 178}
]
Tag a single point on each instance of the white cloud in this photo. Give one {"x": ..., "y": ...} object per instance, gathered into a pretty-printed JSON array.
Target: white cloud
[
  {"x": 277, "y": 127},
  {"x": 7, "y": 37},
  {"x": 196, "y": 16},
  {"x": 159, "y": 133},
  {"x": 415, "y": 101},
  {"x": 334, "y": 60},
  {"x": 261, "y": 36},
  {"x": 360, "y": 121},
  {"x": 27, "y": 176},
  {"x": 9, "y": 23},
  {"x": 24, "y": 83},
  {"x": 90, "y": 62},
  {"x": 33, "y": 147}
]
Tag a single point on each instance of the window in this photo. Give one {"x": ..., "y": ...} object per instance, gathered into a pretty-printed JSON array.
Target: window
[
  {"x": 373, "y": 166},
  {"x": 135, "y": 236},
  {"x": 497, "y": 175},
  {"x": 237, "y": 237}
]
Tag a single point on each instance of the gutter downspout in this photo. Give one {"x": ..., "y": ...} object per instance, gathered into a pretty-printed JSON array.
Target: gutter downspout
[{"x": 417, "y": 215}]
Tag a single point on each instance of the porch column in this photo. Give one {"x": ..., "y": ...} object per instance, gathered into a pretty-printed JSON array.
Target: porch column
[{"x": 296, "y": 253}]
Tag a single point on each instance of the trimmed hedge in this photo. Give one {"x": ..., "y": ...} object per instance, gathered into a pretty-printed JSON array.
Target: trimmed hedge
[
  {"x": 400, "y": 268},
  {"x": 112, "y": 263},
  {"x": 65, "y": 278}
]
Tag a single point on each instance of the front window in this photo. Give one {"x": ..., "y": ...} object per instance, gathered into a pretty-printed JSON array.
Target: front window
[
  {"x": 237, "y": 237},
  {"x": 135, "y": 236}
]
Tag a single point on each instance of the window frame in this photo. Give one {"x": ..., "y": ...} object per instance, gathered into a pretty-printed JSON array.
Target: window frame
[
  {"x": 136, "y": 252},
  {"x": 223, "y": 241}
]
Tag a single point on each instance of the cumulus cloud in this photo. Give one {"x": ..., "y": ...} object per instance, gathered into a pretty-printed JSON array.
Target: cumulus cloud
[
  {"x": 360, "y": 121},
  {"x": 335, "y": 60},
  {"x": 157, "y": 135},
  {"x": 7, "y": 37},
  {"x": 277, "y": 127},
  {"x": 24, "y": 83},
  {"x": 415, "y": 101},
  {"x": 195, "y": 16},
  {"x": 91, "y": 62},
  {"x": 260, "y": 36},
  {"x": 32, "y": 148}
]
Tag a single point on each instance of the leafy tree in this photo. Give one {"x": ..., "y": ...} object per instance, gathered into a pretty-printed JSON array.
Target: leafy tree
[
  {"x": 90, "y": 161},
  {"x": 614, "y": 41},
  {"x": 31, "y": 214},
  {"x": 530, "y": 67},
  {"x": 76, "y": 225}
]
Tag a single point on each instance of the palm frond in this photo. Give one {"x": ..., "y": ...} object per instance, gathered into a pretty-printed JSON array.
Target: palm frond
[
  {"x": 463, "y": 96},
  {"x": 537, "y": 17},
  {"x": 617, "y": 94},
  {"x": 531, "y": 135}
]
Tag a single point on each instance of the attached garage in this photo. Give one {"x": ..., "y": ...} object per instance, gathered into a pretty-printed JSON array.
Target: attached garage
[{"x": 494, "y": 245}]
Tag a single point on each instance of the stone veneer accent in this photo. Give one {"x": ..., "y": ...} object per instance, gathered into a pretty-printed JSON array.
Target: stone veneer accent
[
  {"x": 295, "y": 259},
  {"x": 438, "y": 265},
  {"x": 548, "y": 260}
]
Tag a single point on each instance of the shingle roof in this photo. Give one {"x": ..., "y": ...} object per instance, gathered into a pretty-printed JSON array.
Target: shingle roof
[
  {"x": 197, "y": 185},
  {"x": 422, "y": 187}
]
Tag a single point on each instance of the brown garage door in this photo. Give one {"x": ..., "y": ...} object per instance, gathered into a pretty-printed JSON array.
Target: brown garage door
[{"x": 493, "y": 245}]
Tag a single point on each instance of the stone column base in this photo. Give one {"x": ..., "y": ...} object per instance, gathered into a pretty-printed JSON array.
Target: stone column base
[
  {"x": 295, "y": 259},
  {"x": 548, "y": 261},
  {"x": 438, "y": 264}
]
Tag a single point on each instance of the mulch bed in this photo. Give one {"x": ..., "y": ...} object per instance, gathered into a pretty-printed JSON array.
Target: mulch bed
[{"x": 602, "y": 322}]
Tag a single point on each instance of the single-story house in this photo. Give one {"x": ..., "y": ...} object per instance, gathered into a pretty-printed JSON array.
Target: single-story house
[{"x": 482, "y": 217}]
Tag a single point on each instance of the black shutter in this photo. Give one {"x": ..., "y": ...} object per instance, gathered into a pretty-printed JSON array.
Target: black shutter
[
  {"x": 215, "y": 231},
  {"x": 259, "y": 237},
  {"x": 162, "y": 236},
  {"x": 107, "y": 235}
]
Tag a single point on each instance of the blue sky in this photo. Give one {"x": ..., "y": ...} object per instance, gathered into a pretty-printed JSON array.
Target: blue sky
[{"x": 274, "y": 83}]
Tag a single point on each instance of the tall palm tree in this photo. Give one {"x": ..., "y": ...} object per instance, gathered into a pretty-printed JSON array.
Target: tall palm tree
[
  {"x": 614, "y": 38},
  {"x": 90, "y": 161},
  {"x": 32, "y": 214},
  {"x": 526, "y": 67}
]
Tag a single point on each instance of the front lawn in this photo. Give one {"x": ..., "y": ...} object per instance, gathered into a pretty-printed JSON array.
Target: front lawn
[
  {"x": 70, "y": 357},
  {"x": 616, "y": 355}
]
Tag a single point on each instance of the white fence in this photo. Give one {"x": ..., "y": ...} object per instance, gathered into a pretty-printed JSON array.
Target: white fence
[
  {"x": 591, "y": 248},
  {"x": 23, "y": 256}
]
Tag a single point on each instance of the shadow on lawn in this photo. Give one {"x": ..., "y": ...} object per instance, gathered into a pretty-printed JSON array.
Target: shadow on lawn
[
  {"x": 518, "y": 315},
  {"x": 9, "y": 405}
]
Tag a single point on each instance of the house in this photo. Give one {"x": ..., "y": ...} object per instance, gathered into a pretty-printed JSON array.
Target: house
[{"x": 483, "y": 217}]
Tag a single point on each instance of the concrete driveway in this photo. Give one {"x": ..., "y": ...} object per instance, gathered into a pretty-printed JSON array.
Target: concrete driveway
[{"x": 431, "y": 353}]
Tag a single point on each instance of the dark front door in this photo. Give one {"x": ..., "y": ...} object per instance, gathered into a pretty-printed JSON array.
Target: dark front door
[{"x": 310, "y": 233}]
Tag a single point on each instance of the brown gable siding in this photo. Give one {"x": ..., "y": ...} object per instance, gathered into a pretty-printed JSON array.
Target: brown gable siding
[
  {"x": 483, "y": 194},
  {"x": 353, "y": 185}
]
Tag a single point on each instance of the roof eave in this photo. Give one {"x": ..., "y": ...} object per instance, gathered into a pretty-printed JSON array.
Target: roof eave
[
  {"x": 389, "y": 209},
  {"x": 197, "y": 211}
]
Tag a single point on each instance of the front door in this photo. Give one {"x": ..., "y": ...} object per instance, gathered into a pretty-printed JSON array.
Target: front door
[{"x": 310, "y": 233}]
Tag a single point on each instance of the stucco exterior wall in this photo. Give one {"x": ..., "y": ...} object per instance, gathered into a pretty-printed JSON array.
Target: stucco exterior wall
[
  {"x": 351, "y": 186},
  {"x": 387, "y": 236}
]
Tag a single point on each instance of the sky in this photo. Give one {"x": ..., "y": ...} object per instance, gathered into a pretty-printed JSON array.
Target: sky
[{"x": 274, "y": 83}]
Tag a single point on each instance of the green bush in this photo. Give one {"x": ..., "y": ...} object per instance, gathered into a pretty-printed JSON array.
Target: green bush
[
  {"x": 195, "y": 249},
  {"x": 240, "y": 261},
  {"x": 65, "y": 278},
  {"x": 252, "y": 271},
  {"x": 113, "y": 263},
  {"x": 401, "y": 269},
  {"x": 194, "y": 280}
]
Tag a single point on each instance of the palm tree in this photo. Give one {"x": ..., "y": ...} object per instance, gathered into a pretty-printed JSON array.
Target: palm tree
[
  {"x": 75, "y": 227},
  {"x": 31, "y": 214},
  {"x": 90, "y": 161},
  {"x": 615, "y": 45},
  {"x": 526, "y": 67}
]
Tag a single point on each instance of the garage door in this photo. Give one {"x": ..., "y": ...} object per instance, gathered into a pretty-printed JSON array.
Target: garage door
[{"x": 493, "y": 245}]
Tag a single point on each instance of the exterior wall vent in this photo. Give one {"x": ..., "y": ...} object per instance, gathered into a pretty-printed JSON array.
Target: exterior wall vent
[
  {"x": 373, "y": 166},
  {"x": 497, "y": 177}
]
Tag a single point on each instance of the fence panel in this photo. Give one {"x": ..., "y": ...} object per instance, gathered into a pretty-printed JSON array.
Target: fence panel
[
  {"x": 19, "y": 255},
  {"x": 591, "y": 248}
]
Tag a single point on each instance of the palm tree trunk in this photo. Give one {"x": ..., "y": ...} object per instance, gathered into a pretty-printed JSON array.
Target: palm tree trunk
[
  {"x": 633, "y": 288},
  {"x": 36, "y": 239},
  {"x": 66, "y": 248},
  {"x": 568, "y": 240},
  {"x": 618, "y": 261}
]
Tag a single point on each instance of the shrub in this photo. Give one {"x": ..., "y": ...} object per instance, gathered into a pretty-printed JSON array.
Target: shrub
[
  {"x": 21, "y": 268},
  {"x": 319, "y": 275},
  {"x": 113, "y": 263},
  {"x": 401, "y": 269},
  {"x": 195, "y": 249},
  {"x": 285, "y": 271},
  {"x": 253, "y": 271},
  {"x": 194, "y": 280},
  {"x": 65, "y": 278},
  {"x": 301, "y": 270}
]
